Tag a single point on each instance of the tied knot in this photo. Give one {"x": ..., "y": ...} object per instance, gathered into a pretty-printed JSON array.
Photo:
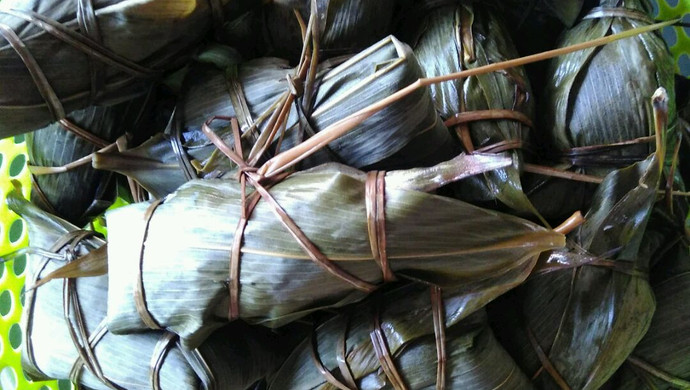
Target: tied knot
[
  {"x": 250, "y": 172},
  {"x": 70, "y": 255},
  {"x": 296, "y": 85}
]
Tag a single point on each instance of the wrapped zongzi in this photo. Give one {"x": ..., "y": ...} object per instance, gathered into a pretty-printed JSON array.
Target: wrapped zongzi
[
  {"x": 406, "y": 134},
  {"x": 65, "y": 334},
  {"x": 577, "y": 325},
  {"x": 490, "y": 112},
  {"x": 596, "y": 106},
  {"x": 331, "y": 228},
  {"x": 57, "y": 56},
  {"x": 79, "y": 193},
  {"x": 596, "y": 114},
  {"x": 393, "y": 341},
  {"x": 660, "y": 361}
]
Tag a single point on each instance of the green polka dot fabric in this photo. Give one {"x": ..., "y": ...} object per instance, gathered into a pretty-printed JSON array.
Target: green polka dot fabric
[
  {"x": 678, "y": 38},
  {"x": 13, "y": 236},
  {"x": 13, "y": 232}
]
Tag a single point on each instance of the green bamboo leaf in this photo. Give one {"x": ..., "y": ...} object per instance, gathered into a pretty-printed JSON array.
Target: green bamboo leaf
[
  {"x": 588, "y": 318},
  {"x": 454, "y": 38},
  {"x": 660, "y": 358},
  {"x": 123, "y": 47},
  {"x": 475, "y": 360},
  {"x": 234, "y": 356},
  {"x": 422, "y": 233}
]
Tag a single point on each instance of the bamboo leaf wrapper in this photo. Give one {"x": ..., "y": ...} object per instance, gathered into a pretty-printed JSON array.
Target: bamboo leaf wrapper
[
  {"x": 235, "y": 356},
  {"x": 77, "y": 53},
  {"x": 607, "y": 302},
  {"x": 344, "y": 346},
  {"x": 407, "y": 134},
  {"x": 187, "y": 249}
]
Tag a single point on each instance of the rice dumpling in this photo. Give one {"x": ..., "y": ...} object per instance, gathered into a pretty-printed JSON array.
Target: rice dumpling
[
  {"x": 580, "y": 321},
  {"x": 290, "y": 269},
  {"x": 65, "y": 334},
  {"x": 80, "y": 193},
  {"x": 62, "y": 55},
  {"x": 344, "y": 26},
  {"x": 660, "y": 360},
  {"x": 411, "y": 324},
  {"x": 406, "y": 134},
  {"x": 596, "y": 111},
  {"x": 596, "y": 103},
  {"x": 491, "y": 112}
]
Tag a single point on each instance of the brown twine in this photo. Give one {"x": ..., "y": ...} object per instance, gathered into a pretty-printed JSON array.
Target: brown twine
[
  {"x": 330, "y": 378},
  {"x": 341, "y": 357},
  {"x": 596, "y": 154},
  {"x": 36, "y": 190},
  {"x": 439, "y": 335},
  {"x": 164, "y": 345},
  {"x": 79, "y": 333},
  {"x": 484, "y": 115},
  {"x": 175, "y": 127},
  {"x": 261, "y": 185},
  {"x": 139, "y": 293},
  {"x": 93, "y": 340},
  {"x": 238, "y": 99},
  {"x": 461, "y": 120},
  {"x": 623, "y": 267},
  {"x": 200, "y": 367},
  {"x": 546, "y": 363},
  {"x": 378, "y": 340},
  {"x": 82, "y": 133},
  {"x": 88, "y": 24},
  {"x": 375, "y": 200},
  {"x": 382, "y": 351},
  {"x": 607, "y": 12},
  {"x": 502, "y": 146}
]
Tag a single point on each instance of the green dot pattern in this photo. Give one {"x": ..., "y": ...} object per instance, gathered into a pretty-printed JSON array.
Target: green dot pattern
[
  {"x": 17, "y": 165},
  {"x": 13, "y": 236},
  {"x": 15, "y": 336},
  {"x": 5, "y": 302},
  {"x": 677, "y": 38}
]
